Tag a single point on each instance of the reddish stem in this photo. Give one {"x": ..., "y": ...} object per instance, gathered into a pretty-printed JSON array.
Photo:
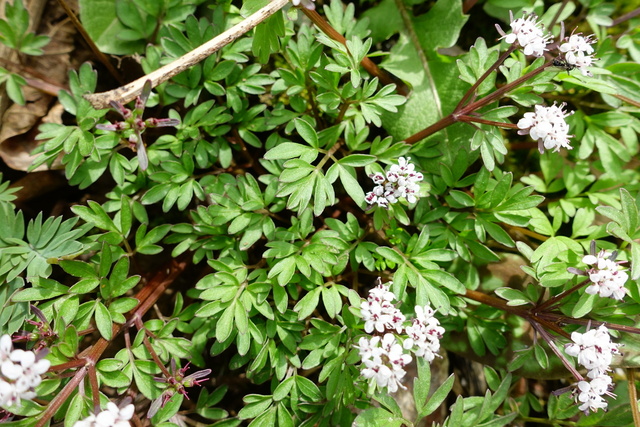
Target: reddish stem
[
  {"x": 95, "y": 388},
  {"x": 472, "y": 90},
  {"x": 472, "y": 119},
  {"x": 552, "y": 345},
  {"x": 147, "y": 296},
  {"x": 473, "y": 106},
  {"x": 548, "y": 304}
]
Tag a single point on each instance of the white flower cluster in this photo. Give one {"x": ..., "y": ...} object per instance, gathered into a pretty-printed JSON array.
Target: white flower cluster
[
  {"x": 589, "y": 393},
  {"x": 401, "y": 181},
  {"x": 379, "y": 313},
  {"x": 594, "y": 351},
  {"x": 547, "y": 125},
  {"x": 383, "y": 357},
  {"x": 607, "y": 279},
  {"x": 424, "y": 334},
  {"x": 578, "y": 52},
  {"x": 384, "y": 361},
  {"x": 20, "y": 373},
  {"x": 529, "y": 33},
  {"x": 110, "y": 417}
]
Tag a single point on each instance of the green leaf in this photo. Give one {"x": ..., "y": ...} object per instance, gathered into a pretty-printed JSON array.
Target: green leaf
[
  {"x": 241, "y": 317},
  {"x": 43, "y": 289},
  {"x": 635, "y": 260},
  {"x": 224, "y": 326},
  {"x": 437, "y": 397},
  {"x": 283, "y": 389},
  {"x": 289, "y": 150},
  {"x": 421, "y": 384},
  {"x": 377, "y": 417},
  {"x": 284, "y": 269},
  {"x": 513, "y": 296},
  {"x": 351, "y": 185},
  {"x": 103, "y": 321},
  {"x": 439, "y": 277},
  {"x": 255, "y": 405},
  {"x": 357, "y": 160},
  {"x": 125, "y": 216},
  {"x": 307, "y": 132},
  {"x": 629, "y": 210},
  {"x": 584, "y": 305},
  {"x": 390, "y": 254},
  {"x": 434, "y": 83},
  {"x": 79, "y": 269},
  {"x": 168, "y": 409},
  {"x": 77, "y": 405},
  {"x": 145, "y": 382},
  {"x": 95, "y": 214},
  {"x": 308, "y": 303},
  {"x": 100, "y": 20}
]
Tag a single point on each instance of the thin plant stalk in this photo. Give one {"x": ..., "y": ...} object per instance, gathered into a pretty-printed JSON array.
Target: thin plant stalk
[{"x": 147, "y": 296}]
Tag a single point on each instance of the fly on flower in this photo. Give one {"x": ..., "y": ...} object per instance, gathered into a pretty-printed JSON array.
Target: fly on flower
[
  {"x": 561, "y": 62},
  {"x": 133, "y": 125}
]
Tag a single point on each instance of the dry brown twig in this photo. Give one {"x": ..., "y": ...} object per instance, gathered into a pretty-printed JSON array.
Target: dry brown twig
[{"x": 128, "y": 92}]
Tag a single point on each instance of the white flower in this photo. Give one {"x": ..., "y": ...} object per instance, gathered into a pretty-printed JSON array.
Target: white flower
[
  {"x": 607, "y": 279},
  {"x": 529, "y": 33},
  {"x": 578, "y": 52},
  {"x": 594, "y": 350},
  {"x": 110, "y": 417},
  {"x": 400, "y": 182},
  {"x": 379, "y": 313},
  {"x": 547, "y": 125},
  {"x": 20, "y": 373},
  {"x": 424, "y": 335},
  {"x": 589, "y": 394},
  {"x": 6, "y": 346},
  {"x": 307, "y": 4},
  {"x": 384, "y": 361}
]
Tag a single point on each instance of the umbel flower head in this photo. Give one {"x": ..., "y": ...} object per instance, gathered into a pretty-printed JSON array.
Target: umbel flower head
[
  {"x": 594, "y": 350},
  {"x": 383, "y": 355},
  {"x": 529, "y": 33},
  {"x": 607, "y": 278},
  {"x": 378, "y": 311},
  {"x": 400, "y": 182},
  {"x": 424, "y": 334},
  {"x": 547, "y": 125},
  {"x": 384, "y": 361},
  {"x": 578, "y": 52},
  {"x": 589, "y": 394},
  {"x": 20, "y": 373},
  {"x": 110, "y": 417}
]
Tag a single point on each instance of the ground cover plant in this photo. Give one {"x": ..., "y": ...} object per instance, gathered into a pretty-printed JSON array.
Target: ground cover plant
[{"x": 395, "y": 212}]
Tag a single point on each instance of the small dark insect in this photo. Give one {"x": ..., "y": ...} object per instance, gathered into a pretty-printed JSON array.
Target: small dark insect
[{"x": 562, "y": 63}]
